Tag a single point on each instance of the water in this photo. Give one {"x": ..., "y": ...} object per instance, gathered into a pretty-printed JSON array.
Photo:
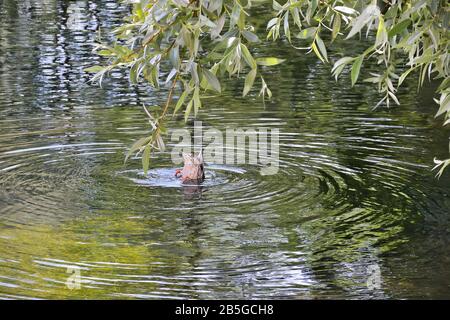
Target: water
[{"x": 354, "y": 196}]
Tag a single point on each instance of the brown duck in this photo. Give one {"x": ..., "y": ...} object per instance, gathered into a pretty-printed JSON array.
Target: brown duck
[{"x": 193, "y": 171}]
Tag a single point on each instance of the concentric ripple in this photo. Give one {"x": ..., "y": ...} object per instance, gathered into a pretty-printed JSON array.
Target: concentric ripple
[
  {"x": 165, "y": 177},
  {"x": 353, "y": 193}
]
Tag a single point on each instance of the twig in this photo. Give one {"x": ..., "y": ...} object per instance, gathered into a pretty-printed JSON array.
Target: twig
[{"x": 169, "y": 97}]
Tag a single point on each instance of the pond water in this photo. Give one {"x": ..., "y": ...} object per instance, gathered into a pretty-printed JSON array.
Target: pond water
[{"x": 354, "y": 198}]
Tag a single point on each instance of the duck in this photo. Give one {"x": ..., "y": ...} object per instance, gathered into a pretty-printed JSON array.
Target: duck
[{"x": 193, "y": 171}]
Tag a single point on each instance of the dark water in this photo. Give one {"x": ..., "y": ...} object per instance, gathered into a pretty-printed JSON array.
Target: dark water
[{"x": 354, "y": 193}]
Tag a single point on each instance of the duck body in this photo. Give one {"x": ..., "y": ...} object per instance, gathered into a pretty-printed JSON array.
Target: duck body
[{"x": 193, "y": 171}]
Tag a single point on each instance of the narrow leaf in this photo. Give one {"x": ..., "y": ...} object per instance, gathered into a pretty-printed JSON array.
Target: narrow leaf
[
  {"x": 188, "y": 110},
  {"x": 94, "y": 69},
  {"x": 392, "y": 95},
  {"x": 181, "y": 100},
  {"x": 249, "y": 80},
  {"x": 316, "y": 51},
  {"x": 399, "y": 27},
  {"x": 197, "y": 102},
  {"x": 137, "y": 145},
  {"x": 212, "y": 80},
  {"x": 270, "y": 61},
  {"x": 322, "y": 48},
  {"x": 346, "y": 10},
  {"x": 381, "y": 37},
  {"x": 336, "y": 26},
  {"x": 371, "y": 11},
  {"x": 307, "y": 33},
  {"x": 341, "y": 61},
  {"x": 248, "y": 56},
  {"x": 250, "y": 36},
  {"x": 355, "y": 69},
  {"x": 146, "y": 159},
  {"x": 287, "y": 31}
]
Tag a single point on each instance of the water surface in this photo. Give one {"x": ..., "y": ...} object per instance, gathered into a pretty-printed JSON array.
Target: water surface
[{"x": 354, "y": 193}]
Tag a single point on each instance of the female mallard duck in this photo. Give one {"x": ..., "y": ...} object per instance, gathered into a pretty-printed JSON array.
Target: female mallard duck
[{"x": 193, "y": 170}]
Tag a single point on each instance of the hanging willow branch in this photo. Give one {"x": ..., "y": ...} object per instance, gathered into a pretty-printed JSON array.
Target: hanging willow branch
[{"x": 411, "y": 38}]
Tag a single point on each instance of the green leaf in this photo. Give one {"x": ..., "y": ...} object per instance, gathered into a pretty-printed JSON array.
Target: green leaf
[
  {"x": 372, "y": 80},
  {"x": 322, "y": 48},
  {"x": 235, "y": 14},
  {"x": 212, "y": 80},
  {"x": 249, "y": 80},
  {"x": 443, "y": 164},
  {"x": 296, "y": 16},
  {"x": 138, "y": 11},
  {"x": 342, "y": 61},
  {"x": 287, "y": 31},
  {"x": 381, "y": 37},
  {"x": 146, "y": 159},
  {"x": 187, "y": 38},
  {"x": 137, "y": 145},
  {"x": 248, "y": 56},
  {"x": 241, "y": 20},
  {"x": 204, "y": 21},
  {"x": 312, "y": 6},
  {"x": 271, "y": 23},
  {"x": 444, "y": 84},
  {"x": 160, "y": 143},
  {"x": 133, "y": 74},
  {"x": 265, "y": 89},
  {"x": 276, "y": 6},
  {"x": 197, "y": 102},
  {"x": 213, "y": 5},
  {"x": 188, "y": 110},
  {"x": 181, "y": 100},
  {"x": 270, "y": 61},
  {"x": 105, "y": 53},
  {"x": 346, "y": 10},
  {"x": 444, "y": 105},
  {"x": 392, "y": 12},
  {"x": 171, "y": 74},
  {"x": 338, "y": 71},
  {"x": 215, "y": 32},
  {"x": 316, "y": 51},
  {"x": 336, "y": 26},
  {"x": 399, "y": 27},
  {"x": 94, "y": 69},
  {"x": 250, "y": 36},
  {"x": 404, "y": 75},
  {"x": 392, "y": 95},
  {"x": 307, "y": 33},
  {"x": 174, "y": 57},
  {"x": 196, "y": 44},
  {"x": 194, "y": 73},
  {"x": 355, "y": 69},
  {"x": 369, "y": 13}
]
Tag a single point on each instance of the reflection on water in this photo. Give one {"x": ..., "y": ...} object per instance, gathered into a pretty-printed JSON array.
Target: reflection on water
[{"x": 354, "y": 192}]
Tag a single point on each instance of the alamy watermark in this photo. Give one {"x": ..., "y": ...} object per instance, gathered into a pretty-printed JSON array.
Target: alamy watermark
[
  {"x": 75, "y": 17},
  {"x": 233, "y": 146},
  {"x": 73, "y": 282},
  {"x": 374, "y": 280}
]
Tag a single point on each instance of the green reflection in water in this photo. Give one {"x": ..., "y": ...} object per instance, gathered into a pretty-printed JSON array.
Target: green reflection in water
[{"x": 354, "y": 188}]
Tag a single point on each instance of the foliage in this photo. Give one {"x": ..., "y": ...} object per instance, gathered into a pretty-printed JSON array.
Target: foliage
[{"x": 195, "y": 43}]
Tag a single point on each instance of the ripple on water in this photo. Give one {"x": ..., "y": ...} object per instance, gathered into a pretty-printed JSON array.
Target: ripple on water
[
  {"x": 353, "y": 188},
  {"x": 165, "y": 177}
]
